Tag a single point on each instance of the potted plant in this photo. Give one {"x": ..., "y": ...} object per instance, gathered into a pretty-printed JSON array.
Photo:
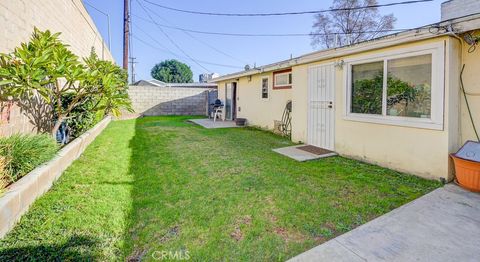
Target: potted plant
[{"x": 467, "y": 166}]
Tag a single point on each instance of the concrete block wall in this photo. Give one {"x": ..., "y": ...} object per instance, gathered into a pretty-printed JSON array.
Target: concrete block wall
[
  {"x": 155, "y": 101},
  {"x": 458, "y": 8},
  {"x": 17, "y": 20}
]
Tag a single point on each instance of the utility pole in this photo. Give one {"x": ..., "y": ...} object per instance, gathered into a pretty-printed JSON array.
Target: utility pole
[
  {"x": 126, "y": 32},
  {"x": 132, "y": 68}
]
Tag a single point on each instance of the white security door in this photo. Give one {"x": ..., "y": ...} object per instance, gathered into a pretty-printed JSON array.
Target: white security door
[{"x": 321, "y": 108}]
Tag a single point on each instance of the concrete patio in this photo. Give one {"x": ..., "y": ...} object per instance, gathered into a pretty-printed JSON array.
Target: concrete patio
[
  {"x": 208, "y": 123},
  {"x": 443, "y": 225}
]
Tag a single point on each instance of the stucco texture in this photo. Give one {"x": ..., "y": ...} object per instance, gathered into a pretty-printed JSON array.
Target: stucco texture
[{"x": 420, "y": 151}]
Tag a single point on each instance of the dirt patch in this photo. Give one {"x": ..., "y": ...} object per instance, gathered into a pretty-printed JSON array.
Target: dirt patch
[
  {"x": 237, "y": 233},
  {"x": 289, "y": 236},
  {"x": 137, "y": 255},
  {"x": 169, "y": 235},
  {"x": 331, "y": 226},
  {"x": 320, "y": 240}
]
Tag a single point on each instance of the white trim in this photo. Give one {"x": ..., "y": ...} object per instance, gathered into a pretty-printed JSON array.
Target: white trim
[
  {"x": 281, "y": 74},
  {"x": 437, "y": 88}
]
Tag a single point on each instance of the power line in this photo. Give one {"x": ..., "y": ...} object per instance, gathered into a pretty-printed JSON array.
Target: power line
[
  {"x": 267, "y": 35},
  {"x": 199, "y": 40},
  {"x": 170, "y": 39},
  {"x": 287, "y": 13},
  {"x": 162, "y": 48}
]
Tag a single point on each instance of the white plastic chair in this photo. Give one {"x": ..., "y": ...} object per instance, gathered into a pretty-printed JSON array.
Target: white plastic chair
[{"x": 218, "y": 113}]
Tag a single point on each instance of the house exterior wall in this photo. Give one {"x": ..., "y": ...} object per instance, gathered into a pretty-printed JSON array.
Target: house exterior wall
[
  {"x": 19, "y": 17},
  {"x": 260, "y": 112},
  {"x": 419, "y": 151},
  {"x": 471, "y": 81}
]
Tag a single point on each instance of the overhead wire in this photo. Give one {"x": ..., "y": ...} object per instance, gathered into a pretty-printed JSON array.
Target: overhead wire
[
  {"x": 171, "y": 40},
  {"x": 163, "y": 48},
  {"x": 286, "y": 13},
  {"x": 268, "y": 35},
  {"x": 185, "y": 31}
]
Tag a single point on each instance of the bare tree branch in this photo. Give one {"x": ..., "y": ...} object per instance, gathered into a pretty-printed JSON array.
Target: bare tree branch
[{"x": 350, "y": 26}]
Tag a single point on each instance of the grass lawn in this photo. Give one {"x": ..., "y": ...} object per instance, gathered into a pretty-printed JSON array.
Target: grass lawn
[{"x": 162, "y": 184}]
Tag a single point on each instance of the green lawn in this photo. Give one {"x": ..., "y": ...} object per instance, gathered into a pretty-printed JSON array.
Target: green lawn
[{"x": 162, "y": 184}]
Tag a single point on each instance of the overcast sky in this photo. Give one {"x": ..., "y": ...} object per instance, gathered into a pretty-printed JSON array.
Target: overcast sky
[{"x": 233, "y": 52}]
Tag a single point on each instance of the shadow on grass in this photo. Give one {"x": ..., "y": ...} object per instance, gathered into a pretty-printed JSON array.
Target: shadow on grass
[{"x": 76, "y": 248}]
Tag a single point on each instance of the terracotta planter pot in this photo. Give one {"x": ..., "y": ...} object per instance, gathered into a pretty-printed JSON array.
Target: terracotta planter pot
[{"x": 467, "y": 173}]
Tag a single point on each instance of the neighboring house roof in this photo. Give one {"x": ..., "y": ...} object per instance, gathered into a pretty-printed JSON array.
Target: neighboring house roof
[
  {"x": 460, "y": 25},
  {"x": 158, "y": 83},
  {"x": 148, "y": 83}
]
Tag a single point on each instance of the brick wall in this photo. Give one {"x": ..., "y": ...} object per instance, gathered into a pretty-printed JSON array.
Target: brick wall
[
  {"x": 17, "y": 20},
  {"x": 154, "y": 100},
  {"x": 458, "y": 8}
]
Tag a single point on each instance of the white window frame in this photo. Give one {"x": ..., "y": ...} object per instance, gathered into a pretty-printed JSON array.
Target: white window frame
[
  {"x": 437, "y": 88},
  {"x": 268, "y": 88},
  {"x": 290, "y": 76}
]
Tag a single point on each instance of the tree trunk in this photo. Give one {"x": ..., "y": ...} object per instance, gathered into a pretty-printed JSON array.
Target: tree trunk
[{"x": 56, "y": 127}]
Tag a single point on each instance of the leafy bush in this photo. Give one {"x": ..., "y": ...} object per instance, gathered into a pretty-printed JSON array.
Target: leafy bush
[
  {"x": 23, "y": 153},
  {"x": 45, "y": 67},
  {"x": 82, "y": 118}
]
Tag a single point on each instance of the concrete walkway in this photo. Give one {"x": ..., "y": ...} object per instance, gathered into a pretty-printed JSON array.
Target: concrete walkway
[
  {"x": 208, "y": 123},
  {"x": 443, "y": 225}
]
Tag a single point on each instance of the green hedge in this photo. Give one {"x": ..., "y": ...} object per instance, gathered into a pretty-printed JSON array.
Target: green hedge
[{"x": 23, "y": 153}]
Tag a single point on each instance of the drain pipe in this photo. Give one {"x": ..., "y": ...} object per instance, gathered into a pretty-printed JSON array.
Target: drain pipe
[{"x": 462, "y": 86}]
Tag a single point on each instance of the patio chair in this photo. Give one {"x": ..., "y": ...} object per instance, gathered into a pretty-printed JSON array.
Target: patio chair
[{"x": 218, "y": 113}]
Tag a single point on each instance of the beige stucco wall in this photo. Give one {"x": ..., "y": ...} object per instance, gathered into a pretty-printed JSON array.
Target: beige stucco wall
[
  {"x": 419, "y": 151},
  {"x": 471, "y": 79},
  {"x": 258, "y": 111},
  {"x": 19, "y": 17}
]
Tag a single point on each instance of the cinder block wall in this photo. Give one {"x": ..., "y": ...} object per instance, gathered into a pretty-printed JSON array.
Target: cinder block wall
[
  {"x": 155, "y": 101},
  {"x": 17, "y": 20}
]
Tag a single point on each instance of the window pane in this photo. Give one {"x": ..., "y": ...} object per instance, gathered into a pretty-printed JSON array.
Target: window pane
[
  {"x": 282, "y": 79},
  {"x": 367, "y": 88},
  {"x": 409, "y": 86},
  {"x": 265, "y": 88}
]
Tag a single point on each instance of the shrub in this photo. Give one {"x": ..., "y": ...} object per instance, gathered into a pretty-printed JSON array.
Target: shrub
[
  {"x": 82, "y": 118},
  {"x": 25, "y": 152}
]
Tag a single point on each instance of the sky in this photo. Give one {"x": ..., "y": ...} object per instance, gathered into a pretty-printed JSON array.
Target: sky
[{"x": 226, "y": 54}]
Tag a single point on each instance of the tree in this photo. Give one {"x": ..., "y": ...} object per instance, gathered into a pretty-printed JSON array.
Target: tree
[
  {"x": 347, "y": 27},
  {"x": 45, "y": 69},
  {"x": 172, "y": 71}
]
